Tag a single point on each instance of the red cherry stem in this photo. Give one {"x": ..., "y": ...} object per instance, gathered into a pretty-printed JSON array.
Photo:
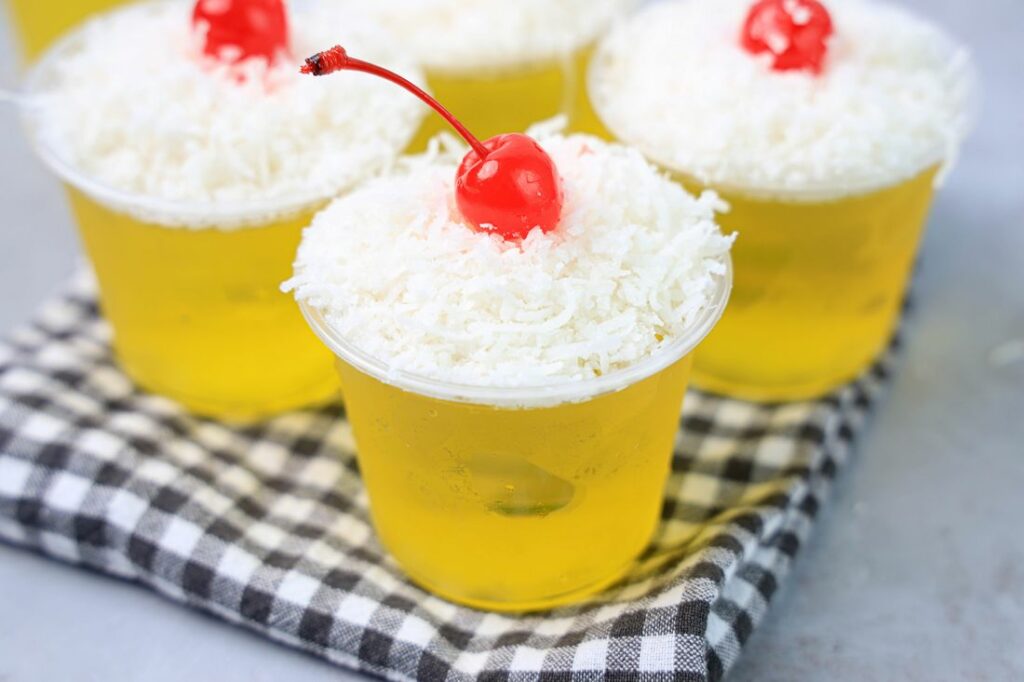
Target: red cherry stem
[{"x": 337, "y": 59}]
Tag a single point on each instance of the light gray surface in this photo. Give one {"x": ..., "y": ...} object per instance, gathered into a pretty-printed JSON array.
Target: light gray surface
[{"x": 916, "y": 571}]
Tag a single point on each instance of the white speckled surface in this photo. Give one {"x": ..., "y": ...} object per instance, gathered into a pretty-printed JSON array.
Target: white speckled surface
[{"x": 916, "y": 571}]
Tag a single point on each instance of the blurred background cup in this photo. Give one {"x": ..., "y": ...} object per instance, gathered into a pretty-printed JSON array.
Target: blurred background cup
[
  {"x": 499, "y": 66},
  {"x": 192, "y": 294},
  {"x": 192, "y": 289},
  {"x": 821, "y": 272},
  {"x": 819, "y": 287},
  {"x": 464, "y": 481}
]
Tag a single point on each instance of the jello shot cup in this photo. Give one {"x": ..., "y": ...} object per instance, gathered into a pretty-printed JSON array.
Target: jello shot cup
[
  {"x": 191, "y": 179},
  {"x": 38, "y": 23},
  {"x": 826, "y": 127},
  {"x": 515, "y": 402},
  {"x": 500, "y": 66}
]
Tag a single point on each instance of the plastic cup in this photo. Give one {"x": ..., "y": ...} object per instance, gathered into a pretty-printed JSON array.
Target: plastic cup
[
  {"x": 39, "y": 22},
  {"x": 819, "y": 285},
  {"x": 516, "y": 499},
  {"x": 192, "y": 291},
  {"x": 820, "y": 277},
  {"x": 508, "y": 99},
  {"x": 819, "y": 289}
]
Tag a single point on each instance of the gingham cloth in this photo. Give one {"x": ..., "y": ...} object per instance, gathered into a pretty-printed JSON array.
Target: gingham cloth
[{"x": 266, "y": 526}]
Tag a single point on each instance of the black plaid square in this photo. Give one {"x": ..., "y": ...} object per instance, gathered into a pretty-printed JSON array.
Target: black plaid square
[{"x": 265, "y": 525}]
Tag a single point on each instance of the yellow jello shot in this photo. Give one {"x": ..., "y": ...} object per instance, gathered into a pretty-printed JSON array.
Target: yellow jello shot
[
  {"x": 38, "y": 23},
  {"x": 191, "y": 178},
  {"x": 515, "y": 400},
  {"x": 826, "y": 128},
  {"x": 499, "y": 66}
]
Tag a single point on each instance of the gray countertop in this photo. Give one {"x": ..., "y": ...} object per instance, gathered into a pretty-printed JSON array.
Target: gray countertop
[{"x": 915, "y": 572}]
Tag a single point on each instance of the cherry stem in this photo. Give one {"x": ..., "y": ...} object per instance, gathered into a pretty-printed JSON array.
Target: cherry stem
[{"x": 336, "y": 59}]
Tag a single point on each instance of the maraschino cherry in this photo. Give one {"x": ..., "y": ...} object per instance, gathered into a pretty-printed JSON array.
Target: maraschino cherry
[
  {"x": 795, "y": 32},
  {"x": 237, "y": 30},
  {"x": 507, "y": 185}
]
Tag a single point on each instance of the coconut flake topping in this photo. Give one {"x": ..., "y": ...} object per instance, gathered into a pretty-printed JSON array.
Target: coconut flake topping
[
  {"x": 131, "y": 103},
  {"x": 894, "y": 98},
  {"x": 471, "y": 36},
  {"x": 634, "y": 264}
]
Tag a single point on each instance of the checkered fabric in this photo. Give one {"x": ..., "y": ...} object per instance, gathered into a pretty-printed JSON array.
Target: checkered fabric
[{"x": 266, "y": 526}]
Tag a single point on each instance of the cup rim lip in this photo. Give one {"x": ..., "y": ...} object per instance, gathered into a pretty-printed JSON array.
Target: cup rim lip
[
  {"x": 563, "y": 391},
  {"x": 185, "y": 212}
]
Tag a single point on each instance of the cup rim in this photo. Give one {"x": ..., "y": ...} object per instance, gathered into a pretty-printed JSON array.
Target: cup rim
[{"x": 551, "y": 394}]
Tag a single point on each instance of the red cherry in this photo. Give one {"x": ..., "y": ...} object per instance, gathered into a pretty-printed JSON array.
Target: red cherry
[
  {"x": 796, "y": 32},
  {"x": 508, "y": 185},
  {"x": 511, "y": 190},
  {"x": 239, "y": 29}
]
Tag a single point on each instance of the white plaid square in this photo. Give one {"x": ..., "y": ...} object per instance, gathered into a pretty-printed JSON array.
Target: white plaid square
[
  {"x": 181, "y": 536},
  {"x": 126, "y": 509},
  {"x": 357, "y": 610},
  {"x": 100, "y": 444},
  {"x": 591, "y": 655},
  {"x": 17, "y": 380},
  {"x": 297, "y": 588},
  {"x": 14, "y": 476},
  {"x": 658, "y": 653},
  {"x": 238, "y": 564},
  {"x": 416, "y": 631},
  {"x": 42, "y": 428},
  {"x": 527, "y": 660},
  {"x": 67, "y": 492}
]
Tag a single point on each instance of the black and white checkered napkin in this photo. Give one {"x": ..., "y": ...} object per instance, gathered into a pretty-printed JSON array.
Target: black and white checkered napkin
[{"x": 266, "y": 526}]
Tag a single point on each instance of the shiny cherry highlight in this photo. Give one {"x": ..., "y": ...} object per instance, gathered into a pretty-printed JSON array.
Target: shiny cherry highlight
[
  {"x": 794, "y": 32},
  {"x": 236, "y": 30}
]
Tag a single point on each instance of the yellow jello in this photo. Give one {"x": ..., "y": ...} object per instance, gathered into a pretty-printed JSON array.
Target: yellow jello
[
  {"x": 818, "y": 290},
  {"x": 829, "y": 176},
  {"x": 191, "y": 182},
  {"x": 515, "y": 509},
  {"x": 499, "y": 66},
  {"x": 39, "y": 22},
  {"x": 199, "y": 316}
]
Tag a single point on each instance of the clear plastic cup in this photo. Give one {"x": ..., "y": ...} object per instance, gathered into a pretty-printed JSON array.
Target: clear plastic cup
[
  {"x": 39, "y": 22},
  {"x": 517, "y": 499},
  {"x": 191, "y": 290},
  {"x": 819, "y": 283},
  {"x": 500, "y": 84},
  {"x": 197, "y": 314},
  {"x": 819, "y": 288},
  {"x": 820, "y": 275},
  {"x": 508, "y": 99}
]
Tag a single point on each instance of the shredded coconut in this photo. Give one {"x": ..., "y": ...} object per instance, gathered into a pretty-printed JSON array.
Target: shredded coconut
[
  {"x": 633, "y": 265},
  {"x": 894, "y": 99},
  {"x": 470, "y": 36},
  {"x": 129, "y": 104}
]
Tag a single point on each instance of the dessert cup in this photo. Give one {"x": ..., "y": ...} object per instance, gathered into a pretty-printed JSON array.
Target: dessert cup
[
  {"x": 829, "y": 177},
  {"x": 189, "y": 278},
  {"x": 516, "y": 499},
  {"x": 500, "y": 67},
  {"x": 515, "y": 404},
  {"x": 819, "y": 289}
]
